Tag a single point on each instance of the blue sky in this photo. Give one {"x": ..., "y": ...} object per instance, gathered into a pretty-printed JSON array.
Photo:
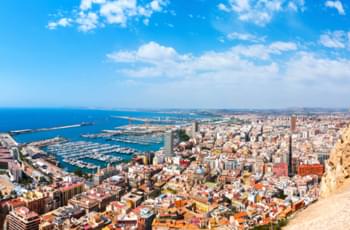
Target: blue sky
[{"x": 175, "y": 54}]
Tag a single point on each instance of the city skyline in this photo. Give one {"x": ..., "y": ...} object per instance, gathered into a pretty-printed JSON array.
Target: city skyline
[{"x": 167, "y": 54}]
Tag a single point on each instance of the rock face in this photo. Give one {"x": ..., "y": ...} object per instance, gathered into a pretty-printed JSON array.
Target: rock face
[
  {"x": 331, "y": 211},
  {"x": 338, "y": 166}
]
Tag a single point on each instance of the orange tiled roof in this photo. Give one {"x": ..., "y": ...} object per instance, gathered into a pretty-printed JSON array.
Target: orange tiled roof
[
  {"x": 258, "y": 186},
  {"x": 240, "y": 215}
]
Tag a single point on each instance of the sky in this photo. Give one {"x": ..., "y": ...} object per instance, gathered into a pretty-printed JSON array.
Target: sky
[{"x": 175, "y": 53}]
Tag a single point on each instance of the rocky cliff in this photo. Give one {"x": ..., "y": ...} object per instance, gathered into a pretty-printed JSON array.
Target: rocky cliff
[
  {"x": 337, "y": 169},
  {"x": 331, "y": 211}
]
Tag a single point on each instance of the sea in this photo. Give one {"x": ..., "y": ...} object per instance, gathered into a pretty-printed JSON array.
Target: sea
[{"x": 24, "y": 118}]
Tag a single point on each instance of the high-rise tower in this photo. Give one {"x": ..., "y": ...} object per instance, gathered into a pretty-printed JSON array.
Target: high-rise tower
[
  {"x": 290, "y": 158},
  {"x": 293, "y": 123},
  {"x": 195, "y": 128},
  {"x": 169, "y": 143}
]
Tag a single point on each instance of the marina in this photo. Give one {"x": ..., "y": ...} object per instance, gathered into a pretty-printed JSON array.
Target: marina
[
  {"x": 141, "y": 140},
  {"x": 80, "y": 152},
  {"x": 101, "y": 134}
]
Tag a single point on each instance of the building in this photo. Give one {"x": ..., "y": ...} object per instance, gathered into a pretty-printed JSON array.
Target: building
[
  {"x": 290, "y": 158},
  {"x": 22, "y": 218},
  {"x": 195, "y": 128},
  {"x": 322, "y": 157},
  {"x": 103, "y": 174},
  {"x": 96, "y": 199},
  {"x": 132, "y": 199},
  {"x": 68, "y": 191},
  {"x": 169, "y": 143},
  {"x": 35, "y": 201},
  {"x": 84, "y": 202},
  {"x": 5, "y": 158},
  {"x": 280, "y": 169},
  {"x": 293, "y": 123},
  {"x": 145, "y": 218},
  {"x": 310, "y": 169},
  {"x": 15, "y": 171}
]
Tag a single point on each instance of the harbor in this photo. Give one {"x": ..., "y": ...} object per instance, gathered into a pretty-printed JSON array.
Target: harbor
[
  {"x": 141, "y": 140},
  {"x": 89, "y": 155},
  {"x": 97, "y": 138}
]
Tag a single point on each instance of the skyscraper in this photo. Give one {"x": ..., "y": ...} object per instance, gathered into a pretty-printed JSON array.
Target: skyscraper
[
  {"x": 293, "y": 123},
  {"x": 290, "y": 158},
  {"x": 195, "y": 128},
  {"x": 169, "y": 143}
]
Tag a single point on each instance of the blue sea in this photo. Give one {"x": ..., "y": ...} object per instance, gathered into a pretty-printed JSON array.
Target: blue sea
[{"x": 18, "y": 119}]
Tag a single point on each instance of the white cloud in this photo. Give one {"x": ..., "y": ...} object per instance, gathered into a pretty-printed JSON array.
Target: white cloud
[
  {"x": 309, "y": 66},
  {"x": 283, "y": 46},
  {"x": 223, "y": 7},
  {"x": 87, "y": 22},
  {"x": 264, "y": 52},
  {"x": 155, "y": 60},
  {"x": 118, "y": 12},
  {"x": 244, "y": 37},
  {"x": 336, "y": 5},
  {"x": 63, "y": 22},
  {"x": 259, "y": 12},
  {"x": 87, "y": 4},
  {"x": 236, "y": 77},
  {"x": 155, "y": 5},
  {"x": 97, "y": 13},
  {"x": 296, "y": 5},
  {"x": 335, "y": 39}
]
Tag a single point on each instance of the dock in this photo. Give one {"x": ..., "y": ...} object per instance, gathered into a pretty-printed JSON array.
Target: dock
[
  {"x": 76, "y": 153},
  {"x": 23, "y": 131}
]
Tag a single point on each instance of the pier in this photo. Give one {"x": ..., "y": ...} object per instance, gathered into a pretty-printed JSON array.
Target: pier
[
  {"x": 159, "y": 120},
  {"x": 47, "y": 142},
  {"x": 23, "y": 131}
]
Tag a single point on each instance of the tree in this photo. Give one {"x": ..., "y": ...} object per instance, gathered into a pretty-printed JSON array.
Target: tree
[
  {"x": 183, "y": 136},
  {"x": 79, "y": 172}
]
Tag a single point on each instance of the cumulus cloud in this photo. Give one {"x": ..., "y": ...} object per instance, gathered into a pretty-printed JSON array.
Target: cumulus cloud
[
  {"x": 223, "y": 7},
  {"x": 336, "y": 5},
  {"x": 336, "y": 39},
  {"x": 87, "y": 21},
  {"x": 151, "y": 52},
  {"x": 155, "y": 60},
  {"x": 264, "y": 52},
  {"x": 97, "y": 13},
  {"x": 259, "y": 73},
  {"x": 259, "y": 12},
  {"x": 244, "y": 37},
  {"x": 63, "y": 22},
  {"x": 309, "y": 66}
]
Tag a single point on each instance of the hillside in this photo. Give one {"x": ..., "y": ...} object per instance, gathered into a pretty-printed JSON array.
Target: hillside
[{"x": 332, "y": 210}]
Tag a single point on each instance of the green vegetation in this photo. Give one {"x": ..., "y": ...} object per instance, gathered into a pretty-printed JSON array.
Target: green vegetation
[
  {"x": 26, "y": 180},
  {"x": 79, "y": 172},
  {"x": 183, "y": 136}
]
